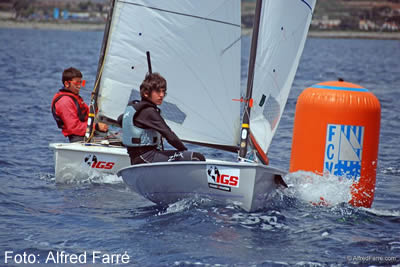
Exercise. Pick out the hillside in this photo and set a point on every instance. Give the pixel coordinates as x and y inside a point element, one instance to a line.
<point>365,15</point>
<point>329,15</point>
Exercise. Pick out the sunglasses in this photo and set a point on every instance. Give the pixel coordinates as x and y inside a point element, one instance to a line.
<point>81,83</point>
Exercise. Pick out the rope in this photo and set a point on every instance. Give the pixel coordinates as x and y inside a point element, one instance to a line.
<point>92,130</point>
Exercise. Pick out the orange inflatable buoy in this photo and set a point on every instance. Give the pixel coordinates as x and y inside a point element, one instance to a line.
<point>336,130</point>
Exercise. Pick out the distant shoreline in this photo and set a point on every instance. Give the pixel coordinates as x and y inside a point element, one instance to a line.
<point>355,35</point>
<point>67,26</point>
<point>75,26</point>
<point>347,34</point>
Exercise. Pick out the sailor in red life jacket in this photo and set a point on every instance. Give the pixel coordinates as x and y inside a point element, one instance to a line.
<point>68,108</point>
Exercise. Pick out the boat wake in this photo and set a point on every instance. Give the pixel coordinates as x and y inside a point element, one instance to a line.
<point>392,171</point>
<point>307,191</point>
<point>227,214</point>
<point>85,175</point>
<point>382,212</point>
<point>200,203</point>
<point>101,178</point>
<point>271,220</point>
<point>304,187</point>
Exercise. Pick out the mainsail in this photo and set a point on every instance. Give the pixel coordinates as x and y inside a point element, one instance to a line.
<point>195,45</point>
<point>283,30</point>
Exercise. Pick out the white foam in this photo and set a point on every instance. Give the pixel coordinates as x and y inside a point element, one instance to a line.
<point>105,178</point>
<point>84,175</point>
<point>183,204</point>
<point>177,207</point>
<point>269,222</point>
<point>391,170</point>
<point>388,213</point>
<point>320,190</point>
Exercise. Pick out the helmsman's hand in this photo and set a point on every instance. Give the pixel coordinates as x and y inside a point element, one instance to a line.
<point>102,127</point>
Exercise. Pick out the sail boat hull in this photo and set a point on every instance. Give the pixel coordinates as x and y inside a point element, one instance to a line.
<point>77,161</point>
<point>247,185</point>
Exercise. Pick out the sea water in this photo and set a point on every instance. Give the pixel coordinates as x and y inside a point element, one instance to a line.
<point>99,221</point>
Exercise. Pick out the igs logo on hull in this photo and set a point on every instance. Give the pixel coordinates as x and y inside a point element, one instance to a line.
<point>222,178</point>
<point>91,161</point>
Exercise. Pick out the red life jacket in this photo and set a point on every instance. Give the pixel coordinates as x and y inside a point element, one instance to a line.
<point>81,107</point>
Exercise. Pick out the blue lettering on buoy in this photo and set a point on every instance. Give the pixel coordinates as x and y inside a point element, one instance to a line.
<point>343,150</point>
<point>330,151</point>
<point>331,131</point>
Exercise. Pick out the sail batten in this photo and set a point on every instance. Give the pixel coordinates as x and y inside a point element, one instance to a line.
<point>308,4</point>
<point>182,14</point>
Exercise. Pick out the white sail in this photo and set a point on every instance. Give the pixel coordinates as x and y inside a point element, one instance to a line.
<point>195,45</point>
<point>283,30</point>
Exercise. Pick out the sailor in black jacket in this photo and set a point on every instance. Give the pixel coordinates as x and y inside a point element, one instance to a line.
<point>143,127</point>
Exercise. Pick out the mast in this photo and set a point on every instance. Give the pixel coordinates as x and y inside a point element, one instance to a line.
<point>93,101</point>
<point>245,132</point>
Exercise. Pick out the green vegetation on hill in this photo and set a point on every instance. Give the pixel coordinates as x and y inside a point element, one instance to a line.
<point>368,15</point>
<point>365,15</point>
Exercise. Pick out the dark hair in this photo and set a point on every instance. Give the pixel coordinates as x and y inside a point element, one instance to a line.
<point>70,73</point>
<point>153,81</point>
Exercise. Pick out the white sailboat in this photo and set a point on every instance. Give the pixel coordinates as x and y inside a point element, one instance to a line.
<point>196,46</point>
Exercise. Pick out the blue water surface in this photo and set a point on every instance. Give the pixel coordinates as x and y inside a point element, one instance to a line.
<point>41,218</point>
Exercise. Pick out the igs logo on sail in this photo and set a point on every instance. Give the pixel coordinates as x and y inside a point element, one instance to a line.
<point>222,178</point>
